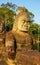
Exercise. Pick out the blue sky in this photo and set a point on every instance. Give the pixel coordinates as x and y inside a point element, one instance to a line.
<point>32,5</point>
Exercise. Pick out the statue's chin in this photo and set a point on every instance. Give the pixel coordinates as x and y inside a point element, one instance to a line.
<point>23,29</point>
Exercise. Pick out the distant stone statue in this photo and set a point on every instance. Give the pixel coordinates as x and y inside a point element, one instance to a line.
<point>1,25</point>
<point>2,31</point>
<point>19,38</point>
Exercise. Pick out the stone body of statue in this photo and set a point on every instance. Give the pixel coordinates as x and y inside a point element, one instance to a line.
<point>20,31</point>
<point>19,38</point>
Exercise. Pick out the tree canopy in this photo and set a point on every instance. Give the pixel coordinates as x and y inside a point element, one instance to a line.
<point>8,14</point>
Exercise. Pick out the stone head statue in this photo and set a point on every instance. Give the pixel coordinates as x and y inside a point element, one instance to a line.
<point>22,20</point>
<point>0,24</point>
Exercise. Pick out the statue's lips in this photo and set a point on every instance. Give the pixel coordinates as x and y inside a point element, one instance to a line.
<point>23,28</point>
<point>25,25</point>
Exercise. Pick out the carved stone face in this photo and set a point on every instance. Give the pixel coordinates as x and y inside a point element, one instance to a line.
<point>23,23</point>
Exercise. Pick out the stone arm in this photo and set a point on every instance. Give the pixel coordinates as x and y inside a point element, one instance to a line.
<point>10,43</point>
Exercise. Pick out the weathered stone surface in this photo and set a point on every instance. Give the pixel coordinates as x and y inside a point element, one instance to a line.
<point>9,39</point>
<point>23,58</point>
<point>23,40</point>
<point>28,57</point>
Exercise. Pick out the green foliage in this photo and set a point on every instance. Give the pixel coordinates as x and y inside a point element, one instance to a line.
<point>31,17</point>
<point>36,46</point>
<point>9,6</point>
<point>8,14</point>
<point>33,30</point>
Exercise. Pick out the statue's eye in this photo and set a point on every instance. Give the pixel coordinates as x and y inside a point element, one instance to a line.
<point>23,21</point>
